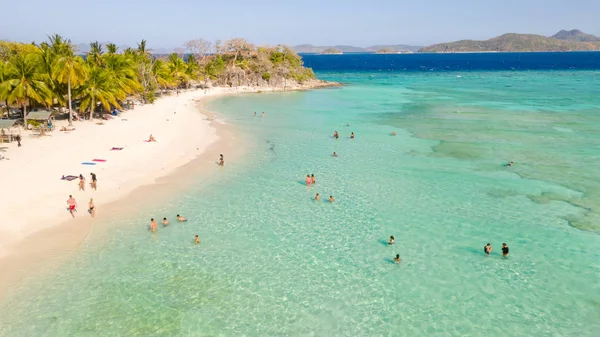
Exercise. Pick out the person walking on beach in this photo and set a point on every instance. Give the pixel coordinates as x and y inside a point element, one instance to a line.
<point>153,225</point>
<point>317,197</point>
<point>81,183</point>
<point>165,222</point>
<point>91,208</point>
<point>504,250</point>
<point>94,181</point>
<point>72,205</point>
<point>18,139</point>
<point>312,179</point>
<point>308,180</point>
<point>487,249</point>
<point>196,239</point>
<point>397,258</point>
<point>392,240</point>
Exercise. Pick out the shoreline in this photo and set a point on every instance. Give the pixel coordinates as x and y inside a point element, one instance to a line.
<point>46,246</point>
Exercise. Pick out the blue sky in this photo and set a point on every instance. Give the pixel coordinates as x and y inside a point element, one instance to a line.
<point>325,22</point>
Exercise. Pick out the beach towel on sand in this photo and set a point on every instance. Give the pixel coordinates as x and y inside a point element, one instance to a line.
<point>116,149</point>
<point>87,163</point>
<point>99,160</point>
<point>68,178</point>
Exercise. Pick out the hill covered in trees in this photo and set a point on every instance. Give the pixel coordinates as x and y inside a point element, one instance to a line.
<point>517,43</point>
<point>52,74</point>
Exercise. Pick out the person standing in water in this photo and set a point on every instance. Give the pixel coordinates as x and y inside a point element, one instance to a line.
<point>331,199</point>
<point>352,135</point>
<point>196,239</point>
<point>165,222</point>
<point>504,250</point>
<point>392,241</point>
<point>308,180</point>
<point>336,135</point>
<point>397,258</point>
<point>335,154</point>
<point>254,113</point>
<point>92,208</point>
<point>312,179</point>
<point>72,205</point>
<point>263,115</point>
<point>487,249</point>
<point>317,197</point>
<point>153,225</point>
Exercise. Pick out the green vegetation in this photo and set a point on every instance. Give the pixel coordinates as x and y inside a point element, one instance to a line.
<point>52,75</point>
<point>513,43</point>
<point>331,51</point>
<point>386,51</point>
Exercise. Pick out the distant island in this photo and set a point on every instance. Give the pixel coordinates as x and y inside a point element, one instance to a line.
<point>573,40</point>
<point>331,51</point>
<point>396,48</point>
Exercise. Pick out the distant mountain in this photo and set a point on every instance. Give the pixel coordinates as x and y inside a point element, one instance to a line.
<point>309,48</point>
<point>575,35</point>
<point>394,47</point>
<point>513,43</point>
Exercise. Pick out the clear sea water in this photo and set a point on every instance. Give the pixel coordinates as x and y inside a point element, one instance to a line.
<point>274,262</point>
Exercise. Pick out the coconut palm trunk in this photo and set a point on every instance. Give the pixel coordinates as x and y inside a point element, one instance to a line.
<point>92,106</point>
<point>69,96</point>
<point>25,112</point>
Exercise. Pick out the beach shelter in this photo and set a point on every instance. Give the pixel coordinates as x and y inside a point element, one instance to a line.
<point>6,130</point>
<point>40,115</point>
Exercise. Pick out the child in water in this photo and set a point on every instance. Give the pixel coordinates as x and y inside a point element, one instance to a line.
<point>196,239</point>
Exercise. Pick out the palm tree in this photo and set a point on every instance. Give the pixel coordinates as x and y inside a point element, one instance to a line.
<point>122,72</point>
<point>94,56</point>
<point>23,81</point>
<point>98,88</point>
<point>68,68</point>
<point>111,48</point>
<point>177,70</point>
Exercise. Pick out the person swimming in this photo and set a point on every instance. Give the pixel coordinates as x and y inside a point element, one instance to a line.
<point>308,180</point>
<point>317,197</point>
<point>165,222</point>
<point>335,154</point>
<point>196,239</point>
<point>336,135</point>
<point>510,164</point>
<point>487,249</point>
<point>312,179</point>
<point>393,133</point>
<point>392,241</point>
<point>352,135</point>
<point>504,250</point>
<point>331,199</point>
<point>397,258</point>
<point>180,218</point>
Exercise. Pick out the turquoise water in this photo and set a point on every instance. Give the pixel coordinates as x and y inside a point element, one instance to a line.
<point>274,262</point>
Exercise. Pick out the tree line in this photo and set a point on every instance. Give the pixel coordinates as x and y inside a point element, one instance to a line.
<point>52,74</point>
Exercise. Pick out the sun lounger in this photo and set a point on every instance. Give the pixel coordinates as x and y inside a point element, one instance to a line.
<point>68,178</point>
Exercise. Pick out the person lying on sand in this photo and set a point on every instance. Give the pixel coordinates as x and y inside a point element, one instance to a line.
<point>64,128</point>
<point>180,218</point>
<point>151,138</point>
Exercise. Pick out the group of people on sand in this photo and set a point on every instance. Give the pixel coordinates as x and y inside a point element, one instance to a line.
<point>487,249</point>
<point>72,206</point>
<point>93,181</point>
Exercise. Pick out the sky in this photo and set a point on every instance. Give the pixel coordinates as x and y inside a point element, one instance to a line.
<point>169,24</point>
